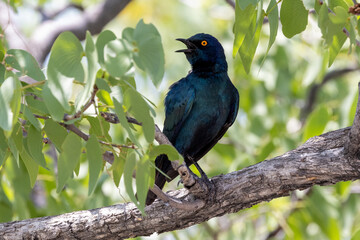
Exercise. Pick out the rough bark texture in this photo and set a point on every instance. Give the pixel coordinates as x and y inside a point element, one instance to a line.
<point>321,160</point>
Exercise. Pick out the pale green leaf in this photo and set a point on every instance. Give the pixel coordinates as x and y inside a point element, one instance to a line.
<point>123,121</point>
<point>117,58</point>
<point>30,116</point>
<point>142,181</point>
<point>25,63</point>
<point>31,166</point>
<point>68,159</point>
<point>149,55</point>
<point>141,111</point>
<point>94,155</point>
<point>118,166</point>
<point>169,150</point>
<point>55,109</point>
<point>103,38</point>
<point>65,56</point>
<point>129,168</point>
<point>35,145</point>
<point>91,57</point>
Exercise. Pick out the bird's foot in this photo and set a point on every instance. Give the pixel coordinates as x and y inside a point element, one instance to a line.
<point>202,187</point>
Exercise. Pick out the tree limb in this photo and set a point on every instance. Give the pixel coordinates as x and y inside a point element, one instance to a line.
<point>321,160</point>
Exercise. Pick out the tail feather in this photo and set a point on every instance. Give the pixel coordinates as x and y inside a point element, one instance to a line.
<point>162,162</point>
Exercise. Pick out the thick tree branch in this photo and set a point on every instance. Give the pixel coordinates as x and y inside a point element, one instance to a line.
<point>320,160</point>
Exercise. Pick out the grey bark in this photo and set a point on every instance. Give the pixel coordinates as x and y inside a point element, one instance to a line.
<point>321,160</point>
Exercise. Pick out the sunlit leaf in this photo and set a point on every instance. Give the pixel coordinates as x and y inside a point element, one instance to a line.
<point>293,16</point>
<point>169,150</point>
<point>25,63</point>
<point>243,4</point>
<point>241,25</point>
<point>91,57</point>
<point>251,41</point>
<point>103,38</point>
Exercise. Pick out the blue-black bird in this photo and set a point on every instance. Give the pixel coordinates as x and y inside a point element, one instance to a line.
<point>199,108</point>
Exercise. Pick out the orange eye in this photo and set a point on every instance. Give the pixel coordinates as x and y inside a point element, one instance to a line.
<point>204,43</point>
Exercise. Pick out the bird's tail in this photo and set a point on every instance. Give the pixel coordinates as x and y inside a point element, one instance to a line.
<point>162,162</point>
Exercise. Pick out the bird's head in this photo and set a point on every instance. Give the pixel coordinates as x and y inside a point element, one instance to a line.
<point>204,52</point>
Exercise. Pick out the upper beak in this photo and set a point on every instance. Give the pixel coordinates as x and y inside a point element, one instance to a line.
<point>190,46</point>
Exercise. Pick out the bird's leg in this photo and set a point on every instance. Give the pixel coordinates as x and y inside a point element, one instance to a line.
<point>202,173</point>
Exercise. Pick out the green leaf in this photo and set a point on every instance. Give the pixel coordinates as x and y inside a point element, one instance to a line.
<point>117,58</point>
<point>129,168</point>
<point>339,16</point>
<point>251,41</point>
<point>103,38</point>
<point>273,17</point>
<point>55,132</point>
<point>31,166</point>
<point>4,152</point>
<point>60,86</point>
<point>102,84</point>
<point>338,41</point>
<point>99,127</point>
<point>149,53</point>
<point>169,150</point>
<point>35,145</point>
<point>142,181</point>
<point>25,63</point>
<point>243,4</point>
<point>91,57</point>
<point>94,155</point>
<point>118,166</point>
<point>128,34</point>
<point>65,56</point>
<point>30,116</point>
<point>293,16</point>
<point>241,25</point>
<point>10,97</point>
<point>316,122</point>
<point>68,159</point>
<point>2,73</point>
<point>123,121</point>
<point>55,109</point>
<point>141,111</point>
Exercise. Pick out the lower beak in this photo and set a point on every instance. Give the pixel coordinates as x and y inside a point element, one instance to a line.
<point>190,46</point>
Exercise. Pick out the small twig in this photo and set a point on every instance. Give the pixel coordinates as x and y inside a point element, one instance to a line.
<point>231,3</point>
<point>86,106</point>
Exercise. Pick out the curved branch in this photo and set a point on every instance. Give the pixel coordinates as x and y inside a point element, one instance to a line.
<point>320,160</point>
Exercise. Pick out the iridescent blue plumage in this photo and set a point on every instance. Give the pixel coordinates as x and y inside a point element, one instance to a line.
<point>200,107</point>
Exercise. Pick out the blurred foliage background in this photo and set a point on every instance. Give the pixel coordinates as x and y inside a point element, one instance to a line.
<point>274,117</point>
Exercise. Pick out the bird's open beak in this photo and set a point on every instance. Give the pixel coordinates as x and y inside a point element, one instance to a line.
<point>190,46</point>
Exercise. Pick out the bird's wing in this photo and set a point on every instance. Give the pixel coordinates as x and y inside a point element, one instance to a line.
<point>178,103</point>
<point>229,121</point>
